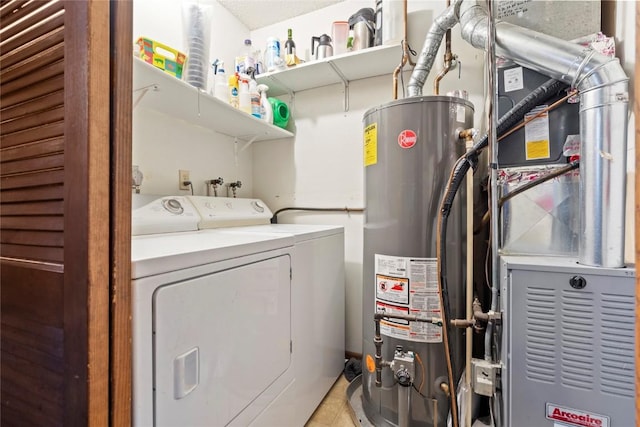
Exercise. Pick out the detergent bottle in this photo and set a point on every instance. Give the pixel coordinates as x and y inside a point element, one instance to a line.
<point>233,90</point>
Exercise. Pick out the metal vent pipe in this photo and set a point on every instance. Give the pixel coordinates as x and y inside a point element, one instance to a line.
<point>445,21</point>
<point>603,88</point>
<point>604,98</point>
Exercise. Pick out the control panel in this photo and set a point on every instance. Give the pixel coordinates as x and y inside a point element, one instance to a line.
<point>218,212</point>
<point>164,215</point>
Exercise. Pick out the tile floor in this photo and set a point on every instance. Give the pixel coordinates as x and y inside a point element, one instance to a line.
<point>333,411</point>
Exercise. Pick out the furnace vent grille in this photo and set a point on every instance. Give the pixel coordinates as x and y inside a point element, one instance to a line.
<point>541,334</point>
<point>617,345</point>
<point>577,339</point>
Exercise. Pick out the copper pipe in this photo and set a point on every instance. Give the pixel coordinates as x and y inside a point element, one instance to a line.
<point>406,34</point>
<point>406,57</point>
<point>462,323</point>
<point>538,114</point>
<point>448,60</point>
<point>467,134</point>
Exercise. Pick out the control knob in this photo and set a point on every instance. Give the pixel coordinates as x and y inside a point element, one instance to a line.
<point>173,206</point>
<point>257,206</point>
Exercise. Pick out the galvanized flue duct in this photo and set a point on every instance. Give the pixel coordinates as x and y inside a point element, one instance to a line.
<point>603,88</point>
<point>438,29</point>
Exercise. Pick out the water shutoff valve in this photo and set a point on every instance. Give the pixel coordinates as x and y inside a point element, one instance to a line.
<point>234,187</point>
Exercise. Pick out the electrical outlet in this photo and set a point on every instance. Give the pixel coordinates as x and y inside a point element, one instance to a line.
<point>183,175</point>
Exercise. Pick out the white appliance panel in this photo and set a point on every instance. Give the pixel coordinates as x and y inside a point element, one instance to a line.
<point>300,232</point>
<point>221,340</point>
<point>163,215</point>
<point>216,212</point>
<point>163,253</point>
<point>318,333</point>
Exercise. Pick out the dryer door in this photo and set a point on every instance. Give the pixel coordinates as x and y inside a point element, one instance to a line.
<point>221,343</point>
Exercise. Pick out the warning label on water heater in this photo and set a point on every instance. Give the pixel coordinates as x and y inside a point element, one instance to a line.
<point>408,286</point>
<point>371,144</point>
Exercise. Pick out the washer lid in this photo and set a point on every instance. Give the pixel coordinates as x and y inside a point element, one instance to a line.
<point>300,232</point>
<point>162,253</point>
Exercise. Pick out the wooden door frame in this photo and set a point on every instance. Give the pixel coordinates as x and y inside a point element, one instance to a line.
<point>86,207</point>
<point>121,161</point>
<point>97,258</point>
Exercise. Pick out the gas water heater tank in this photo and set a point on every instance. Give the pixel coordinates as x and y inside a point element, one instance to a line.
<point>411,146</point>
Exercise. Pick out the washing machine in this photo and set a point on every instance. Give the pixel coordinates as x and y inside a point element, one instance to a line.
<point>318,310</point>
<point>225,329</point>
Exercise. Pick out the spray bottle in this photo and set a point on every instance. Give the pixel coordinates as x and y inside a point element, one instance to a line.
<point>265,106</point>
<point>221,87</point>
<point>233,90</point>
<point>244,97</point>
<point>255,99</point>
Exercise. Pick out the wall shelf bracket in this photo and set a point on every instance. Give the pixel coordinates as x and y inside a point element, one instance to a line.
<point>143,91</point>
<point>345,83</point>
<point>249,142</point>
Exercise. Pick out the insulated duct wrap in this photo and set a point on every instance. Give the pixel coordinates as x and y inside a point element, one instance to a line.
<point>440,25</point>
<point>603,88</point>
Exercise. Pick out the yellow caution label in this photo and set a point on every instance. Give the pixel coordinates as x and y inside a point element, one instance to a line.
<point>538,149</point>
<point>371,144</point>
<point>371,363</point>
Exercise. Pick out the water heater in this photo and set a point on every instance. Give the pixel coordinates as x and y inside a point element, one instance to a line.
<point>411,146</point>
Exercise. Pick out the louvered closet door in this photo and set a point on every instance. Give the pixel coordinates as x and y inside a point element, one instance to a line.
<point>54,212</point>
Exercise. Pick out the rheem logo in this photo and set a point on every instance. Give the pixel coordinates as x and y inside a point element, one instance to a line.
<point>407,138</point>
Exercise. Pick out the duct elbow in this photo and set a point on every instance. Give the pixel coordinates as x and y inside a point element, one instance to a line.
<point>474,24</point>
<point>598,71</point>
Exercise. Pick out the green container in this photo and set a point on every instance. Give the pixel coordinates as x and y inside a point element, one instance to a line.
<point>280,112</point>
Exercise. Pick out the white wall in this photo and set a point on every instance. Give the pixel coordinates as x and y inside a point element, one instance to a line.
<point>625,50</point>
<point>162,145</point>
<point>322,165</point>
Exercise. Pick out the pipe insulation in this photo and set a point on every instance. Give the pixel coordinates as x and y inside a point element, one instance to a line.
<point>603,90</point>
<point>445,21</point>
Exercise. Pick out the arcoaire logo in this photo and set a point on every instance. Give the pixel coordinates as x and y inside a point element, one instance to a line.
<point>407,138</point>
<point>576,417</point>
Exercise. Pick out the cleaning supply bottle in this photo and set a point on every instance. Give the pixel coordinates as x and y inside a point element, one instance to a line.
<point>280,112</point>
<point>255,99</point>
<point>233,90</point>
<point>221,88</point>
<point>272,54</point>
<point>244,98</point>
<point>266,110</point>
<point>245,62</point>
